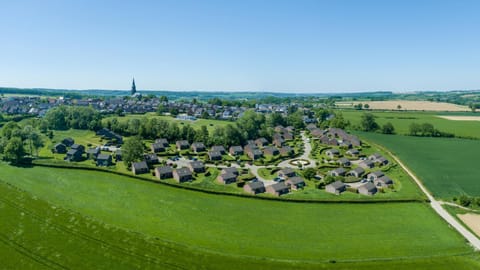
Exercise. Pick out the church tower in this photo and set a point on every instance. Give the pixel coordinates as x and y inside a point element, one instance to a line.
<point>134,88</point>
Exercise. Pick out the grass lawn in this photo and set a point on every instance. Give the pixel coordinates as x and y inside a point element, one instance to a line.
<point>209,123</point>
<point>223,224</point>
<point>402,120</point>
<point>447,166</point>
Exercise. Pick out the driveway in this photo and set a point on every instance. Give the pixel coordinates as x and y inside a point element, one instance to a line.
<point>306,154</point>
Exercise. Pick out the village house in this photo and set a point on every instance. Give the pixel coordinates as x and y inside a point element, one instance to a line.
<point>104,160</point>
<point>366,164</point>
<point>254,187</point>
<point>59,148</point>
<point>182,144</point>
<point>227,178</point>
<point>332,153</point>
<point>164,172</point>
<point>151,158</point>
<point>73,155</point>
<point>367,189</point>
<point>286,172</point>
<point>375,175</point>
<point>286,151</point>
<point>182,175</point>
<point>374,157</point>
<point>261,142</point>
<point>345,162</point>
<point>214,155</point>
<point>277,189</point>
<point>254,154</point>
<point>278,142</point>
<point>338,172</point>
<point>140,167</point>
<point>383,181</point>
<point>279,128</point>
<point>353,152</point>
<point>231,170</point>
<point>197,166</point>
<point>336,187</point>
<point>271,150</point>
<point>78,147</point>
<point>92,153</point>
<point>287,136</point>
<point>157,147</point>
<point>118,155</point>
<point>382,161</point>
<point>316,132</point>
<point>198,147</point>
<point>68,141</point>
<point>218,148</point>
<point>236,150</point>
<point>295,183</point>
<point>162,141</point>
<point>357,172</point>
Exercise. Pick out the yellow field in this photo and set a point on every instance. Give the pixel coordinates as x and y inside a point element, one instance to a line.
<point>460,118</point>
<point>472,221</point>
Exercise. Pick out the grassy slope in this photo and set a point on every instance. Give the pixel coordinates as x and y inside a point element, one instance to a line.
<point>244,226</point>
<point>402,120</point>
<point>448,167</point>
<point>37,235</point>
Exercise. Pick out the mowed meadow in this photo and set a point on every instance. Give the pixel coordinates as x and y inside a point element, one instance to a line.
<point>447,166</point>
<point>241,231</point>
<point>402,121</point>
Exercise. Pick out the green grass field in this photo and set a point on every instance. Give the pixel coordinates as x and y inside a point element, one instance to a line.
<point>257,229</point>
<point>402,120</point>
<point>209,123</point>
<point>447,166</point>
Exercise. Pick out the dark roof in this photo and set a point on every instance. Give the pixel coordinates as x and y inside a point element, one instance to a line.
<point>385,179</point>
<point>93,150</point>
<point>72,152</point>
<point>214,154</point>
<point>359,170</point>
<point>164,169</point>
<point>339,171</point>
<point>230,170</point>
<point>295,180</point>
<point>198,145</point>
<point>142,165</point>
<point>183,142</point>
<point>236,148</point>
<point>378,173</point>
<point>197,164</point>
<point>337,185</point>
<point>287,171</point>
<point>218,148</point>
<point>103,157</point>
<point>256,185</point>
<point>333,151</point>
<point>343,160</point>
<point>183,171</point>
<point>279,186</point>
<point>368,186</point>
<point>229,175</point>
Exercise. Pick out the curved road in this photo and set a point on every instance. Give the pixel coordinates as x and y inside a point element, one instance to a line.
<point>437,206</point>
<point>306,154</point>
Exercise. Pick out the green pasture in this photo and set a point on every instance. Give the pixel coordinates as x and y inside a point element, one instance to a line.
<point>402,120</point>
<point>209,123</point>
<point>447,166</point>
<point>235,226</point>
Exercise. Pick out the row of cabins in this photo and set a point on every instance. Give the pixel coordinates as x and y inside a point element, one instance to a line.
<point>334,136</point>
<point>181,175</point>
<point>76,151</point>
<point>338,187</point>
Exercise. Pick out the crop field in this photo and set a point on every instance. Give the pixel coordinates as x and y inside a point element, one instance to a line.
<point>232,227</point>
<point>409,105</point>
<point>402,120</point>
<point>209,123</point>
<point>447,166</point>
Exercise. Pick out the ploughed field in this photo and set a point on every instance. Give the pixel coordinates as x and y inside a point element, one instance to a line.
<point>447,166</point>
<point>135,224</point>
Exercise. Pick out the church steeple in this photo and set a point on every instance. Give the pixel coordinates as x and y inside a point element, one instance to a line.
<point>134,87</point>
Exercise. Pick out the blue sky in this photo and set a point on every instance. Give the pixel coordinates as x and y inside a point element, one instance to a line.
<point>288,46</point>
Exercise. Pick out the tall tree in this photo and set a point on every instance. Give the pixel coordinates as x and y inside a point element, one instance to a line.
<point>14,150</point>
<point>132,150</point>
<point>368,122</point>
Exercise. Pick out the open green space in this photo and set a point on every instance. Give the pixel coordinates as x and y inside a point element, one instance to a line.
<point>402,120</point>
<point>235,226</point>
<point>447,166</point>
<point>209,123</point>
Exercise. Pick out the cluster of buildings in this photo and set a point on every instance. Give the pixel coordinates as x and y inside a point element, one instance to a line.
<point>76,152</point>
<point>334,136</point>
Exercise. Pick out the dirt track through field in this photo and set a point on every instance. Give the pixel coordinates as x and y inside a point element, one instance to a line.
<point>472,221</point>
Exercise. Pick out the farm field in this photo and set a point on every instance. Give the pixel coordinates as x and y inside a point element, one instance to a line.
<point>402,120</point>
<point>447,166</point>
<point>209,123</point>
<point>214,223</point>
<point>409,105</point>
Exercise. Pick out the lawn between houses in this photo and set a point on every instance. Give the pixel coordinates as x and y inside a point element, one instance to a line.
<point>447,166</point>
<point>217,229</point>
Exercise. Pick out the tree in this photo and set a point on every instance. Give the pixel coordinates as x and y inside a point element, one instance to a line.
<point>9,129</point>
<point>163,99</point>
<point>338,121</point>
<point>427,129</point>
<point>388,128</point>
<point>414,129</point>
<point>366,106</point>
<point>296,120</point>
<point>309,173</point>
<point>14,150</point>
<point>399,107</point>
<point>368,123</point>
<point>358,106</point>
<point>132,150</point>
